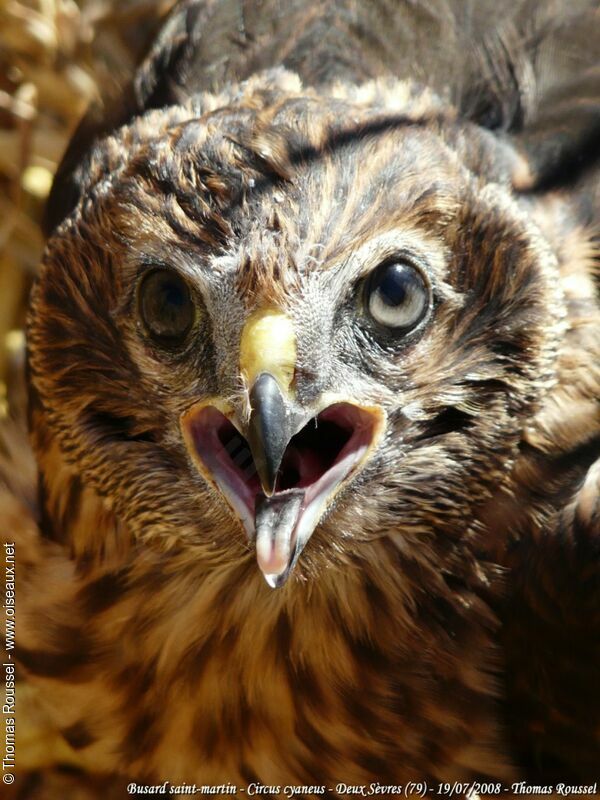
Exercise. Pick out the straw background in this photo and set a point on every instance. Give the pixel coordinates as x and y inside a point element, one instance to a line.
<point>56,56</point>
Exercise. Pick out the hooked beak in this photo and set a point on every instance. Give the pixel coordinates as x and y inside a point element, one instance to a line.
<point>269,430</point>
<point>280,482</point>
<point>281,471</point>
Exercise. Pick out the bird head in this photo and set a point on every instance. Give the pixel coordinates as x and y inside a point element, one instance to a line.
<point>294,323</point>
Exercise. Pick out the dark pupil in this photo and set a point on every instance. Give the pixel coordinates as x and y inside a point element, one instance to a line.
<point>394,285</point>
<point>172,300</point>
<point>166,306</point>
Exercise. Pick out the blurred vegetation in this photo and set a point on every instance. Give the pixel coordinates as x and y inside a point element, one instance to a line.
<point>55,57</point>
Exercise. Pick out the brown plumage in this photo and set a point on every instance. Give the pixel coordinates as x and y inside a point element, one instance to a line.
<point>440,619</point>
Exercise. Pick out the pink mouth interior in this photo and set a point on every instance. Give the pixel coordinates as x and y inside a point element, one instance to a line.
<point>310,459</point>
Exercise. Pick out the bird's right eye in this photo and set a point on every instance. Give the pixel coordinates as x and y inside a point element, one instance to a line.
<point>166,306</point>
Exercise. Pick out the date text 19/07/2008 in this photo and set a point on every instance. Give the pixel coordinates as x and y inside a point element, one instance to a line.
<point>419,789</point>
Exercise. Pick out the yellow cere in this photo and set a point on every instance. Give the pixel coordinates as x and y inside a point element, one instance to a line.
<point>268,344</point>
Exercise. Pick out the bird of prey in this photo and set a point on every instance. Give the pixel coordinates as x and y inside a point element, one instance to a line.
<point>313,373</point>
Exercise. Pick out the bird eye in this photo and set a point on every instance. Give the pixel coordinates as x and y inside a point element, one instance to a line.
<point>397,295</point>
<point>166,306</point>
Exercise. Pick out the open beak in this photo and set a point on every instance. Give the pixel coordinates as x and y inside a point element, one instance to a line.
<point>282,470</point>
<point>277,481</point>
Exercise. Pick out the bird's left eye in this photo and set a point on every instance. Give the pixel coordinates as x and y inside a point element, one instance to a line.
<point>396,295</point>
<point>166,306</point>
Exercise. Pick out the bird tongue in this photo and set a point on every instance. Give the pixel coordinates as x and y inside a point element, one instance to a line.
<point>275,524</point>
